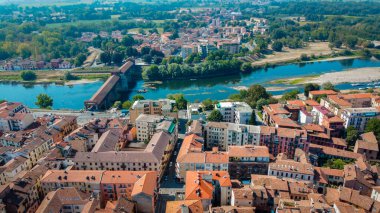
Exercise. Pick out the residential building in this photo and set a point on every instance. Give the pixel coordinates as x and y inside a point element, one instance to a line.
<point>67,200</point>
<point>358,117</point>
<point>367,145</point>
<point>210,187</point>
<point>164,107</point>
<point>216,134</point>
<point>287,168</point>
<point>181,206</point>
<point>154,157</point>
<point>147,125</point>
<point>247,160</point>
<point>192,157</point>
<point>83,180</point>
<point>14,117</point>
<point>283,140</point>
<point>229,46</point>
<point>222,135</point>
<point>326,152</point>
<point>327,177</point>
<point>235,112</point>
<point>138,186</point>
<point>25,193</point>
<point>320,93</point>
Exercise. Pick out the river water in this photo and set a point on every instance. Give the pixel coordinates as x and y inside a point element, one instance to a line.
<point>72,97</point>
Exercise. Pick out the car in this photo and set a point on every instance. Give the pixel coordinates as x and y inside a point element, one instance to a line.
<point>171,164</point>
<point>175,153</point>
<point>166,178</point>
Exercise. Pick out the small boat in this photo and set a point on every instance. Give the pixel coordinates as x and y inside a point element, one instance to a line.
<point>361,88</point>
<point>193,79</point>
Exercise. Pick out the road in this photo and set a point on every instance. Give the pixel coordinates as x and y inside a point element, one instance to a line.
<point>170,188</point>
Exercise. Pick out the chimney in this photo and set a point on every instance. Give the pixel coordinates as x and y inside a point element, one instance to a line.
<point>184,209</point>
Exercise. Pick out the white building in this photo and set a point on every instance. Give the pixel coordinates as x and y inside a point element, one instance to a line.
<point>358,117</point>
<point>14,116</point>
<point>235,112</point>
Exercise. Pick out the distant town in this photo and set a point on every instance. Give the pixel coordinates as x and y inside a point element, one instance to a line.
<point>112,106</point>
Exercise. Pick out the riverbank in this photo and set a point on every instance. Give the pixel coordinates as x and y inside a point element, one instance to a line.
<point>360,75</point>
<point>51,76</point>
<point>288,55</point>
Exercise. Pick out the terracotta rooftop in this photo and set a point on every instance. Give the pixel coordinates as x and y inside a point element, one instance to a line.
<point>333,151</point>
<point>199,187</point>
<point>194,206</point>
<point>248,151</point>
<point>323,92</point>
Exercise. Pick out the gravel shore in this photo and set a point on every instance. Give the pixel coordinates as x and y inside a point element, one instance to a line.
<point>350,76</point>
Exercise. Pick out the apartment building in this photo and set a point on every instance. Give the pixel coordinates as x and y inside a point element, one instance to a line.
<point>154,157</point>
<point>283,140</point>
<point>25,193</point>
<point>235,112</point>
<point>216,134</point>
<point>288,168</point>
<point>337,103</point>
<point>68,200</point>
<point>222,135</point>
<point>192,157</point>
<point>164,107</point>
<point>358,117</point>
<point>327,177</point>
<point>138,186</point>
<point>367,145</point>
<point>14,117</point>
<point>84,180</point>
<point>147,125</point>
<point>247,160</point>
<point>240,135</point>
<point>210,187</point>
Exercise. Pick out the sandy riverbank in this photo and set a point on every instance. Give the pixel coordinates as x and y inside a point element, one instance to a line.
<point>350,76</point>
<point>82,81</point>
<point>316,48</point>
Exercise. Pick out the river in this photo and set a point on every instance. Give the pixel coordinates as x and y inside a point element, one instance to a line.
<point>72,97</point>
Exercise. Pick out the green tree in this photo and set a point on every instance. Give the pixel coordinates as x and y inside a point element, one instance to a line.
<point>215,116</point>
<point>128,41</point>
<point>351,135</point>
<point>69,77</point>
<point>28,75</point>
<point>373,125</point>
<point>304,57</point>
<point>277,46</point>
<point>246,67</point>
<point>126,104</point>
<point>290,95</point>
<point>117,57</point>
<point>44,101</point>
<point>79,60</point>
<point>106,57</point>
<point>261,102</point>
<point>328,86</point>
<point>117,104</point>
<point>137,97</point>
<point>335,164</point>
<point>351,41</point>
<point>180,101</point>
<point>252,119</point>
<point>310,87</point>
<point>208,104</point>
